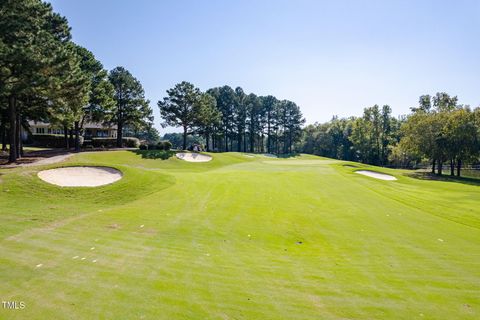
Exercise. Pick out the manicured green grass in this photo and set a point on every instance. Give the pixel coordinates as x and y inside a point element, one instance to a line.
<point>26,149</point>
<point>239,238</point>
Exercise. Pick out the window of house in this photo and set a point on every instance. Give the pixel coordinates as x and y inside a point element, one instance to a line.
<point>40,130</point>
<point>102,133</point>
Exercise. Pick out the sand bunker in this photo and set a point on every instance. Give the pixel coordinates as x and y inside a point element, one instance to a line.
<point>80,176</point>
<point>193,157</point>
<point>376,175</point>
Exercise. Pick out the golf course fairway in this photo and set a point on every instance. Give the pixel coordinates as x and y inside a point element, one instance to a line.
<point>238,238</point>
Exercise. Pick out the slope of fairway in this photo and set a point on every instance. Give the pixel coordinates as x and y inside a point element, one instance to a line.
<point>238,238</point>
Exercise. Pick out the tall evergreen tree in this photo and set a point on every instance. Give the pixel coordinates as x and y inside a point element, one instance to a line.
<point>131,106</point>
<point>253,119</point>
<point>225,97</point>
<point>101,104</point>
<point>240,117</point>
<point>269,104</point>
<point>32,38</point>
<point>208,117</point>
<point>181,108</point>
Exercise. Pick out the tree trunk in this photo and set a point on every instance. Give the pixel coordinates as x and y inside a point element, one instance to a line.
<point>120,134</point>
<point>452,167</point>
<point>17,134</point>
<point>3,134</point>
<point>184,138</point>
<point>12,113</point>
<point>440,167</point>
<point>459,167</point>
<point>226,139</point>
<point>65,135</point>
<point>207,144</point>
<point>268,134</point>
<point>290,141</point>
<point>77,136</point>
<point>277,144</point>
<point>262,147</point>
<point>239,141</point>
<point>252,142</point>
<point>433,166</point>
<point>20,148</point>
<point>244,141</point>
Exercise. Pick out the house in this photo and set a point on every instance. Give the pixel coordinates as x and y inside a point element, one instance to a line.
<point>90,130</point>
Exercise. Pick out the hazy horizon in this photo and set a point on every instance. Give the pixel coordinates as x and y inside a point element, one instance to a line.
<point>330,57</point>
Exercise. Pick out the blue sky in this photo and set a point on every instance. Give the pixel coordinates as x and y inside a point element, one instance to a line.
<point>330,57</point>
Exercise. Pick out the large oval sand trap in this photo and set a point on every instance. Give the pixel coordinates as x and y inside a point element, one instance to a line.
<point>80,176</point>
<point>376,175</point>
<point>193,157</point>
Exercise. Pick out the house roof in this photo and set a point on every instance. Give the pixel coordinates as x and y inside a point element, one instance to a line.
<point>86,125</point>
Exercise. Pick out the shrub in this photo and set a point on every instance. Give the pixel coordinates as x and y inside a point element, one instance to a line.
<point>156,154</point>
<point>128,142</point>
<point>143,147</point>
<point>152,146</point>
<point>53,140</point>
<point>131,142</point>
<point>167,145</point>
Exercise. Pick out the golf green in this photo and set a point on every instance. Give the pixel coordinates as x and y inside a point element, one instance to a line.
<point>238,238</point>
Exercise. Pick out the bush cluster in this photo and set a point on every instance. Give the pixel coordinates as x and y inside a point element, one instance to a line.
<point>162,145</point>
<point>128,142</point>
<point>52,140</point>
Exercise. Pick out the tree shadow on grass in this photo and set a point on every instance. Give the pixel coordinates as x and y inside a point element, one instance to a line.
<point>444,178</point>
<point>287,155</point>
<point>155,154</point>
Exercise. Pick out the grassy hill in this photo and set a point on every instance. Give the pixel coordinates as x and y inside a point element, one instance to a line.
<point>239,237</point>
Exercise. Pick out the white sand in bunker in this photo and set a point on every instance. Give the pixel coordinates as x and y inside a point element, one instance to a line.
<point>193,157</point>
<point>80,176</point>
<point>376,175</point>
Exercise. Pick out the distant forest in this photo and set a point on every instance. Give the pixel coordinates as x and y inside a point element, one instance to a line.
<point>438,131</point>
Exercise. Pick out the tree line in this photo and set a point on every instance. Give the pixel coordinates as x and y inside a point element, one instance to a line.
<point>44,76</point>
<point>232,120</point>
<point>438,131</point>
